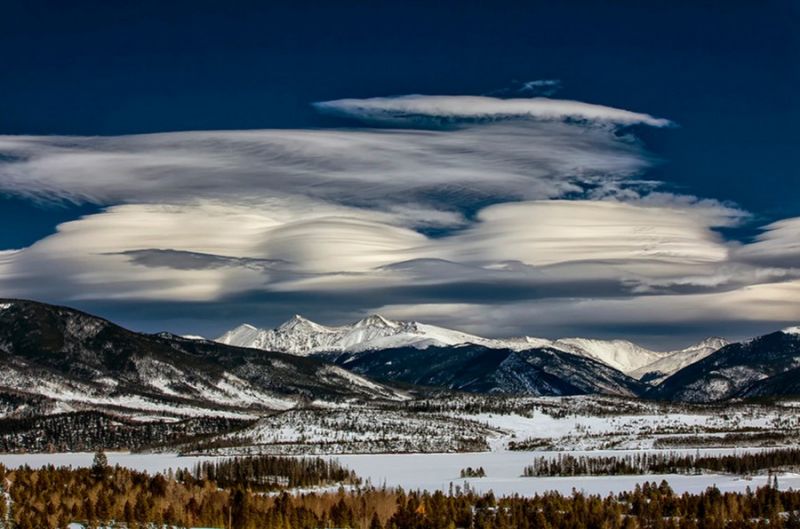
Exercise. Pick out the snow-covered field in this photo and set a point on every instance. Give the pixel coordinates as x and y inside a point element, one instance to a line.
<point>439,471</point>
<point>358,429</point>
<point>637,431</point>
<point>152,463</point>
<point>504,470</point>
<point>478,423</point>
<point>473,423</point>
<point>600,423</point>
<point>581,425</point>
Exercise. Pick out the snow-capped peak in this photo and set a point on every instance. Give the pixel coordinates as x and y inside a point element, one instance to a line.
<point>376,320</point>
<point>303,337</point>
<point>713,342</point>
<point>297,322</point>
<point>241,336</point>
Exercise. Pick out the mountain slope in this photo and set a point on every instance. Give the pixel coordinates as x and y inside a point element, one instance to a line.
<point>81,361</point>
<point>303,337</point>
<point>786,384</point>
<point>674,361</point>
<point>759,367</point>
<point>481,369</point>
<point>620,354</point>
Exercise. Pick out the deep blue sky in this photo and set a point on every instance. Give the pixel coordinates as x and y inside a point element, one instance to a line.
<point>726,71</point>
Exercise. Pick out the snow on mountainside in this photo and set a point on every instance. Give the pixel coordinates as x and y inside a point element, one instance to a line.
<point>79,361</point>
<point>619,354</point>
<point>303,337</point>
<point>764,366</point>
<point>481,369</point>
<point>677,360</point>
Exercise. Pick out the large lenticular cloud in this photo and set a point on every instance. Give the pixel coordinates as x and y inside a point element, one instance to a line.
<point>513,205</point>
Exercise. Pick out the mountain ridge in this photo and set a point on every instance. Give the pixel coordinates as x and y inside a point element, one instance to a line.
<point>303,337</point>
<point>761,367</point>
<point>480,369</point>
<point>81,361</point>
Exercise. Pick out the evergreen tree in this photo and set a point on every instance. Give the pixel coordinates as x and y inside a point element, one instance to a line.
<point>100,465</point>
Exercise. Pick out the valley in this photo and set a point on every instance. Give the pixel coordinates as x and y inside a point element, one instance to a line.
<point>72,381</point>
<point>389,407</point>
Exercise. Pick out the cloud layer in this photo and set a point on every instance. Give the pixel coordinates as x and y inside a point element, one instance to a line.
<point>534,210</point>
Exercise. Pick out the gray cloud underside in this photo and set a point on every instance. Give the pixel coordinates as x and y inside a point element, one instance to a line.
<point>537,220</point>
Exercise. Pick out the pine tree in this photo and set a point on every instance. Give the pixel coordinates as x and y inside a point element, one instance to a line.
<point>100,465</point>
<point>376,522</point>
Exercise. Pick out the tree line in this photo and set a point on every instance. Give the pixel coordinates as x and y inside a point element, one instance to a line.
<point>268,473</point>
<point>662,463</point>
<point>85,430</point>
<point>51,497</point>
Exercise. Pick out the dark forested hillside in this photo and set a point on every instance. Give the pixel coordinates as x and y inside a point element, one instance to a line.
<point>764,366</point>
<point>64,355</point>
<point>481,369</point>
<point>85,431</point>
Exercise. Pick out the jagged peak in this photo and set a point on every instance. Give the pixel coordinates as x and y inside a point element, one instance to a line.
<point>792,330</point>
<point>376,320</point>
<point>711,341</point>
<point>299,322</point>
<point>238,333</point>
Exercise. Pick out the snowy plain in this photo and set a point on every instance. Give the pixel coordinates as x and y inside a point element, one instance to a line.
<point>438,471</point>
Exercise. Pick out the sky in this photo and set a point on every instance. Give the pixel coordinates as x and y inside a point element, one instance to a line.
<point>596,169</point>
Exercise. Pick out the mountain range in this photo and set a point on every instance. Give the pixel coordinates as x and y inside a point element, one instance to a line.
<point>56,360</point>
<point>303,337</point>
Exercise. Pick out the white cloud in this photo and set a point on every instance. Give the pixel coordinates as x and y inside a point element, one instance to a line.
<point>474,219</point>
<point>779,245</point>
<point>558,231</point>
<point>413,108</point>
<point>427,171</point>
<point>318,243</point>
<point>770,303</point>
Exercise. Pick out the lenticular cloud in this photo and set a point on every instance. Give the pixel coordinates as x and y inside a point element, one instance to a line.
<point>533,200</point>
<point>415,108</point>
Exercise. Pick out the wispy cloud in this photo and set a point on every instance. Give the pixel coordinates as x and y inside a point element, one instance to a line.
<point>421,172</point>
<point>417,109</point>
<point>778,245</point>
<point>543,87</point>
<point>537,87</point>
